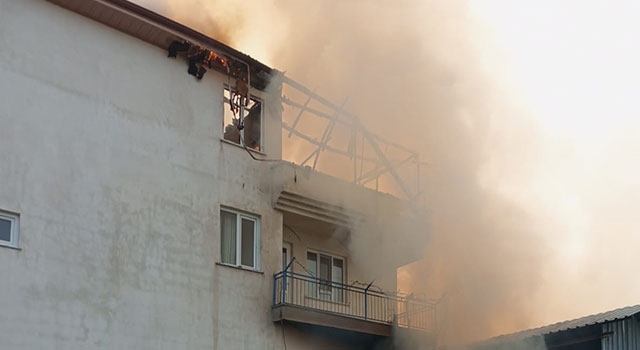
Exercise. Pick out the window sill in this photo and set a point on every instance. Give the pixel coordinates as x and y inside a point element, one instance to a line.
<point>240,268</point>
<point>10,247</point>
<point>260,153</point>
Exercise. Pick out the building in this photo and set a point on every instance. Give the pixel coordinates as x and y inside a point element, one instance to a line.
<point>136,214</point>
<point>613,330</point>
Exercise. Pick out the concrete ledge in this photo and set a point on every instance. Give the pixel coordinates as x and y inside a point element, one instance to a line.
<point>294,313</point>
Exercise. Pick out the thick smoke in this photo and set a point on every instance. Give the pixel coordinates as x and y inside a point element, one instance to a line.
<point>424,74</point>
<point>412,73</point>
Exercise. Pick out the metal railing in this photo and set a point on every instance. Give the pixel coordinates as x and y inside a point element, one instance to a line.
<point>353,301</point>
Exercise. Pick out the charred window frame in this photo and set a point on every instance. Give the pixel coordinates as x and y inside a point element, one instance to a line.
<point>9,229</point>
<point>250,131</point>
<point>331,271</point>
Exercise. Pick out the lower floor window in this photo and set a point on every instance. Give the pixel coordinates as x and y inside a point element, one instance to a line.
<point>330,271</point>
<point>9,229</point>
<point>239,239</point>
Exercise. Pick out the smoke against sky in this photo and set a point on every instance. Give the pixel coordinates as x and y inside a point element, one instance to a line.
<point>527,114</point>
<point>573,68</point>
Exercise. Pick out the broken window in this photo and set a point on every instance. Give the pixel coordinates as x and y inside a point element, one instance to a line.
<point>242,122</point>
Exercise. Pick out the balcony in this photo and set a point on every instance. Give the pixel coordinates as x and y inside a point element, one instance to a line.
<point>308,300</point>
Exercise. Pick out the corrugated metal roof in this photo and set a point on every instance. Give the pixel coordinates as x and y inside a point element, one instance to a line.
<point>623,335</point>
<point>617,314</point>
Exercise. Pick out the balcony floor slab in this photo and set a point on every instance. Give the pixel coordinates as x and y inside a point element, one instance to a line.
<point>293,313</point>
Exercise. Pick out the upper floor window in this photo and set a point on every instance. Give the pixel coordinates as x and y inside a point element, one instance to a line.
<point>331,272</point>
<point>9,226</point>
<point>242,120</point>
<point>239,239</point>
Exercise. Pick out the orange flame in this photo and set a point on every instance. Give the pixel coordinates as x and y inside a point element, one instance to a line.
<point>215,59</point>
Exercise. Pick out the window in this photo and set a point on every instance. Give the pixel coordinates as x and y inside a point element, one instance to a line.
<point>286,259</point>
<point>330,270</point>
<point>286,254</point>
<point>250,132</point>
<point>9,226</point>
<point>239,239</point>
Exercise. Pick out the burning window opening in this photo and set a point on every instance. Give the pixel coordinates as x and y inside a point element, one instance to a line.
<point>243,125</point>
<point>242,121</point>
<point>374,162</point>
<point>199,57</point>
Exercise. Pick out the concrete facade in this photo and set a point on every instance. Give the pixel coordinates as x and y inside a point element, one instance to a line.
<point>112,155</point>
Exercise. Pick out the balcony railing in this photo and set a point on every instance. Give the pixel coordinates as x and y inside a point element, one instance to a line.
<point>353,301</point>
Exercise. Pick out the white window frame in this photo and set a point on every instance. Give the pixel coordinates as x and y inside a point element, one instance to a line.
<point>256,239</point>
<point>316,274</point>
<point>226,103</point>
<point>286,259</point>
<point>15,228</point>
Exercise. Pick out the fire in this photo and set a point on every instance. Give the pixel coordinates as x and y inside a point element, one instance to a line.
<point>214,59</point>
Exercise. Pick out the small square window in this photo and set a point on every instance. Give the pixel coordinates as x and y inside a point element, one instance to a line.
<point>250,132</point>
<point>9,226</point>
<point>239,239</point>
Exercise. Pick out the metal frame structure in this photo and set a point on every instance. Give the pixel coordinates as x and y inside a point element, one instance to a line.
<point>371,157</point>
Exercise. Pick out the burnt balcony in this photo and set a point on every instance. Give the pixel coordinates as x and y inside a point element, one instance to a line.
<point>312,301</point>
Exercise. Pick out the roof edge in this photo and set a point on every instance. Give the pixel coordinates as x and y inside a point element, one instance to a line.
<point>170,28</point>
<point>595,319</point>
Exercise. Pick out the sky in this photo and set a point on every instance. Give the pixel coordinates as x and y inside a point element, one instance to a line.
<point>529,118</point>
<point>572,66</point>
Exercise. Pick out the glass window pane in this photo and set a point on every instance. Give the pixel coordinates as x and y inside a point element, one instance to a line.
<point>252,125</point>
<point>248,241</point>
<point>230,128</point>
<point>338,277</point>
<point>312,266</point>
<point>312,263</point>
<point>5,230</point>
<point>325,266</point>
<point>338,272</point>
<point>325,273</point>
<point>228,237</point>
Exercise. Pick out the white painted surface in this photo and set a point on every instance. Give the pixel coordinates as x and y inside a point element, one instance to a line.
<point>111,153</point>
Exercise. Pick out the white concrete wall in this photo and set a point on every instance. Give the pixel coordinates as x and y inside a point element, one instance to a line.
<point>383,236</point>
<point>111,153</point>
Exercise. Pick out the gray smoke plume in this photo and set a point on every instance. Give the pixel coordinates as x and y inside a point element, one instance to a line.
<point>423,74</point>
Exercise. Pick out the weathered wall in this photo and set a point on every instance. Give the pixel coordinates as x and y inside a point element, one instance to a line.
<point>111,153</point>
<point>357,271</point>
<point>384,233</point>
